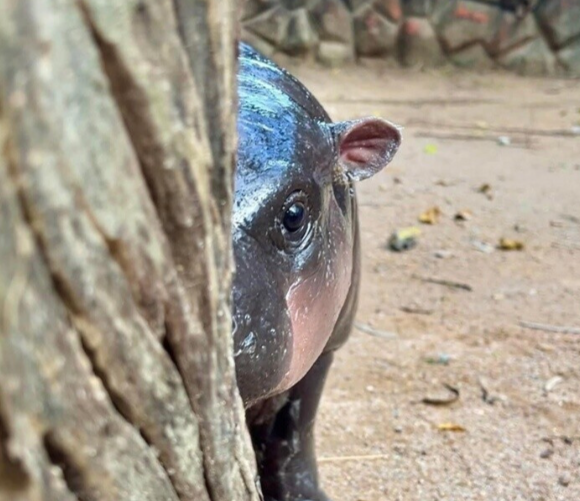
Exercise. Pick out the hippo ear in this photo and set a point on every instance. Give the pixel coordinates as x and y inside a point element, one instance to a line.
<point>365,146</point>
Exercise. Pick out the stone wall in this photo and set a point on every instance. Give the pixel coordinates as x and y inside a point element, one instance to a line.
<point>535,37</point>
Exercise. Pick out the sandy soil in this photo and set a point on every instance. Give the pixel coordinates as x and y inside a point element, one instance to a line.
<point>519,388</point>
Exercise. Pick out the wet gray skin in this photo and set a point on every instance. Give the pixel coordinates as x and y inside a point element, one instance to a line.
<point>295,239</point>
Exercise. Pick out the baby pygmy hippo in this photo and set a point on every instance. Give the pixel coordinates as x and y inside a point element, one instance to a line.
<point>297,256</point>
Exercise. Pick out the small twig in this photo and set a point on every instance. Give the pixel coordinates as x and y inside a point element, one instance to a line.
<point>471,137</point>
<point>499,129</point>
<point>416,310</point>
<point>550,328</point>
<point>447,283</point>
<point>368,457</point>
<point>571,219</point>
<point>367,329</point>
<point>486,395</point>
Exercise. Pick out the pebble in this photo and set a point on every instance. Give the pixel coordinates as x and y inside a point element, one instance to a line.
<point>443,254</point>
<point>483,246</point>
<point>564,480</point>
<point>552,383</point>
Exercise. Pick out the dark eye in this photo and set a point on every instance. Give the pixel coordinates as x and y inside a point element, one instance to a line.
<point>294,217</point>
<point>295,223</point>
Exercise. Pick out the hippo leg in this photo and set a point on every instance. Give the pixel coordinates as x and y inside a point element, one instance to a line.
<point>283,436</point>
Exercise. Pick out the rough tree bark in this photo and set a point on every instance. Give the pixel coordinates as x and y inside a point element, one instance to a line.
<point>116,162</point>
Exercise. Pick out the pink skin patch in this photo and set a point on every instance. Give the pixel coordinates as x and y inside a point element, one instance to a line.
<point>315,302</point>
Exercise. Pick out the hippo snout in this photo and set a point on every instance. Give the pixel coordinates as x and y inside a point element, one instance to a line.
<point>261,327</point>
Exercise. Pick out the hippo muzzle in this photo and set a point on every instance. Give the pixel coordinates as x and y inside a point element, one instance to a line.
<point>262,328</point>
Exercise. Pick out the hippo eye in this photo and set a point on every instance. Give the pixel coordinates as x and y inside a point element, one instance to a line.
<point>294,223</point>
<point>294,217</point>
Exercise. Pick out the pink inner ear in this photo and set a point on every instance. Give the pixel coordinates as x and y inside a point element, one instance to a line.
<point>362,150</point>
<point>368,146</point>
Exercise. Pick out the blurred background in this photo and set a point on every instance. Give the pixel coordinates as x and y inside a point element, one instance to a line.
<point>462,378</point>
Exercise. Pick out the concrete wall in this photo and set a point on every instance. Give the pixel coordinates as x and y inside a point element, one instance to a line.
<point>542,39</point>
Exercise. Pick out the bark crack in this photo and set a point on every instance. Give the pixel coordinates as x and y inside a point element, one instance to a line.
<point>121,82</point>
<point>71,472</point>
<point>114,246</point>
<point>168,347</point>
<point>191,31</point>
<point>13,474</point>
<point>120,404</point>
<point>11,468</point>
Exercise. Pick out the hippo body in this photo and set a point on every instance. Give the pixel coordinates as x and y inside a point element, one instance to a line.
<point>296,249</point>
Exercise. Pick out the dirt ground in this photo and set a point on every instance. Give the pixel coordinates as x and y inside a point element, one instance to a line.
<point>519,388</point>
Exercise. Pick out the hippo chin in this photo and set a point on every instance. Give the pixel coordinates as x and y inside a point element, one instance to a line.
<point>296,248</point>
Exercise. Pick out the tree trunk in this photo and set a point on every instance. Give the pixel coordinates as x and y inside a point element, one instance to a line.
<point>117,130</point>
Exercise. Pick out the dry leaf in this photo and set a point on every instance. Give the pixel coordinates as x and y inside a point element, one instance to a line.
<point>404,239</point>
<point>463,215</point>
<point>451,397</point>
<point>441,359</point>
<point>509,244</point>
<point>430,216</point>
<point>430,149</point>
<point>485,188</point>
<point>450,427</point>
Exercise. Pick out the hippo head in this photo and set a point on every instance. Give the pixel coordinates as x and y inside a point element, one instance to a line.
<point>294,223</point>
